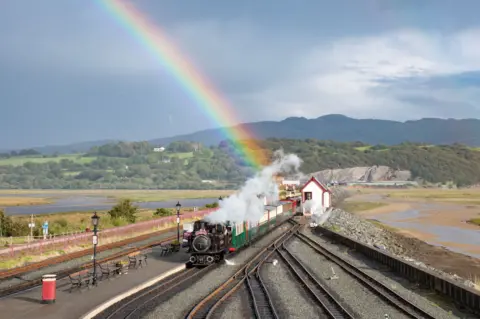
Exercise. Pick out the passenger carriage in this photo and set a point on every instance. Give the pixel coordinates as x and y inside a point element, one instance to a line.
<point>209,243</point>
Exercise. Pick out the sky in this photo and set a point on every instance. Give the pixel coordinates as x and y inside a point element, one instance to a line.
<point>71,73</point>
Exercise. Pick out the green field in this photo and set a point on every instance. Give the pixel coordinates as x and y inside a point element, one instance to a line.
<point>20,160</point>
<point>181,155</point>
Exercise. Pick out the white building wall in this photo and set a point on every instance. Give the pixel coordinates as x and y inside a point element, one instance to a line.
<point>327,200</point>
<point>317,192</point>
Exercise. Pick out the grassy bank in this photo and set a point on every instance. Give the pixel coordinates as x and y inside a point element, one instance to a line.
<point>475,221</point>
<point>24,258</point>
<point>63,223</point>
<point>381,225</point>
<point>23,201</point>
<point>356,206</point>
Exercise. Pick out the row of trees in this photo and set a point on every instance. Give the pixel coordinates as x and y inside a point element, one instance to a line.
<point>136,166</point>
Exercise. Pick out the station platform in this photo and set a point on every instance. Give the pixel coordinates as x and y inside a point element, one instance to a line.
<point>76,304</point>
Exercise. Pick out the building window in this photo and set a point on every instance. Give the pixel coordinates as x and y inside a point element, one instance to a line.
<point>308,195</point>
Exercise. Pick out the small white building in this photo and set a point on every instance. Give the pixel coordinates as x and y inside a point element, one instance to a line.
<point>316,191</point>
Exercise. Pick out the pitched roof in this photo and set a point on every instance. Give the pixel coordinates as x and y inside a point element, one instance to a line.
<point>316,181</point>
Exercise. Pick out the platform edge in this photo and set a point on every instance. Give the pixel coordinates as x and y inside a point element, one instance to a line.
<point>92,313</point>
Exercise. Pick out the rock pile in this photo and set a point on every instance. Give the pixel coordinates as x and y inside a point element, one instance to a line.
<point>367,232</point>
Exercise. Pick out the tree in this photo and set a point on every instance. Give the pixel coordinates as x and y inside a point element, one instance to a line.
<point>124,209</point>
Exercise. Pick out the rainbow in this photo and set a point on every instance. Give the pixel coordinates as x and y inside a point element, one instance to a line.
<point>211,102</point>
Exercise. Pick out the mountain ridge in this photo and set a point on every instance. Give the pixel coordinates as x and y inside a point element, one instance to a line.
<point>336,127</point>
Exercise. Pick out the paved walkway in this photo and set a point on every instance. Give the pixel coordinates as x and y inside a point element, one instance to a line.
<point>77,303</point>
<point>78,261</point>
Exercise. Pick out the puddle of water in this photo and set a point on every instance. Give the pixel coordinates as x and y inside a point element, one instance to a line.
<point>442,233</point>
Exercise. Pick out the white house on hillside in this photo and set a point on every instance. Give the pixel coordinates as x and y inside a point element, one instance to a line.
<point>315,190</point>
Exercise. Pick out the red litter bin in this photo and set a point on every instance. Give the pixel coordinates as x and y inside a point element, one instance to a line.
<point>49,288</point>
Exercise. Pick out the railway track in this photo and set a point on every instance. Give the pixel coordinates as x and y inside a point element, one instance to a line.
<point>378,288</point>
<point>323,297</point>
<point>30,284</point>
<point>134,306</point>
<point>248,274</point>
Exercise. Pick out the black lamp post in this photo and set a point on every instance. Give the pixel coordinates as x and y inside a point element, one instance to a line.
<point>178,221</point>
<point>220,198</point>
<point>95,220</point>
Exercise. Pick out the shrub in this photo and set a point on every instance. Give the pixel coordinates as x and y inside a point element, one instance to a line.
<point>124,209</point>
<point>163,212</point>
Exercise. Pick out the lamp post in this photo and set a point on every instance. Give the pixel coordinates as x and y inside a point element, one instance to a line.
<point>95,220</point>
<point>178,220</point>
<point>220,198</point>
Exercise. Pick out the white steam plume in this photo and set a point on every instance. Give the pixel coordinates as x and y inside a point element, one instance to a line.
<point>319,213</point>
<point>245,204</point>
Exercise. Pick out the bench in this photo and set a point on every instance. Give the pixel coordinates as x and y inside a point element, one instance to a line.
<point>137,257</point>
<point>80,278</point>
<point>168,249</point>
<point>109,269</point>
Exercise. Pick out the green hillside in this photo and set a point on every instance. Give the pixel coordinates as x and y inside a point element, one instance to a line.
<point>185,165</point>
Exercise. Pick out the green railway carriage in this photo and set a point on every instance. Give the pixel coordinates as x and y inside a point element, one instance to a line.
<point>243,233</point>
<point>210,242</point>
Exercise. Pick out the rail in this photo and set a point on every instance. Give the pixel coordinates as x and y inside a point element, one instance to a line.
<point>131,306</point>
<point>106,235</point>
<point>378,288</point>
<point>208,306</point>
<point>320,294</point>
<point>64,273</point>
<point>463,296</point>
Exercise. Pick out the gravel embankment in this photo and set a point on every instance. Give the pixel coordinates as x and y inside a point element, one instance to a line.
<point>306,254</point>
<point>351,292</point>
<point>366,232</point>
<point>290,300</point>
<point>178,306</point>
<point>77,262</point>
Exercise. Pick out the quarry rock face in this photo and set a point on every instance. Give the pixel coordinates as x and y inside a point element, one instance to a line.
<point>363,174</point>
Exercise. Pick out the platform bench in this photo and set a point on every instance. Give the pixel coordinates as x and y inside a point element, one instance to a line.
<point>137,259</point>
<point>78,279</point>
<point>169,248</point>
<point>109,269</point>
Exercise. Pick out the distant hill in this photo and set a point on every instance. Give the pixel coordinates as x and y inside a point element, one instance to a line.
<point>333,127</point>
<point>71,148</point>
<point>341,128</point>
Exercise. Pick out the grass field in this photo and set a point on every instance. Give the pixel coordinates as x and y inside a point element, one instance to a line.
<point>460,196</point>
<point>135,195</point>
<point>23,201</point>
<point>353,206</point>
<point>20,160</point>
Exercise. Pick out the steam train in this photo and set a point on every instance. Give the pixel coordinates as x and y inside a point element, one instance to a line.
<point>211,242</point>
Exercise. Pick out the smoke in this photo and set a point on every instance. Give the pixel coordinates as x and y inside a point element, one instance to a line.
<point>319,213</point>
<point>245,205</point>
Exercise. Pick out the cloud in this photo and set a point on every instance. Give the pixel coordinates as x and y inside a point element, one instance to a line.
<point>390,75</point>
<point>292,61</point>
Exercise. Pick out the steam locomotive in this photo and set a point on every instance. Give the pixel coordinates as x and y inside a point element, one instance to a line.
<point>210,242</point>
